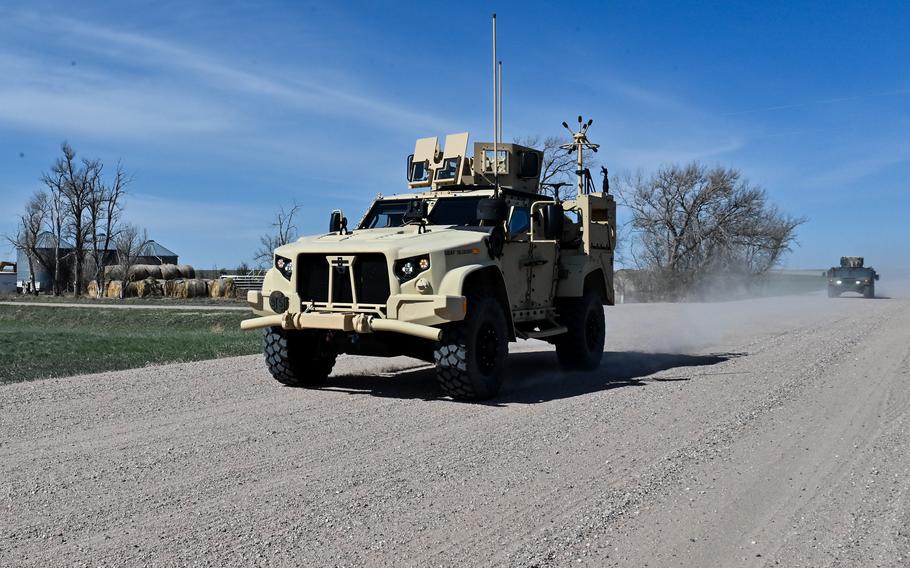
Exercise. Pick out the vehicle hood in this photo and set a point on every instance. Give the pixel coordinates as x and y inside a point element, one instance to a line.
<point>396,242</point>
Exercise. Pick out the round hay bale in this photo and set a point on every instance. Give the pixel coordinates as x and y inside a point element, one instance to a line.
<point>215,288</point>
<point>197,288</point>
<point>169,287</point>
<point>180,288</point>
<point>113,272</point>
<point>227,288</point>
<point>186,270</point>
<point>141,288</point>
<point>138,272</point>
<point>132,290</point>
<point>153,287</point>
<point>92,289</point>
<point>115,289</point>
<point>169,272</point>
<point>154,271</point>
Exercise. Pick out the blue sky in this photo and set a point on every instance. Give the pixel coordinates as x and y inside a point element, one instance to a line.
<point>224,111</point>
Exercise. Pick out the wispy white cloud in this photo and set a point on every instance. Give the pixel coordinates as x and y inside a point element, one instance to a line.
<point>853,170</point>
<point>200,71</point>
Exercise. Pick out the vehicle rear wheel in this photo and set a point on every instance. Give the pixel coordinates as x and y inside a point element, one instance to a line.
<point>582,347</point>
<point>869,292</point>
<point>297,358</point>
<point>471,354</point>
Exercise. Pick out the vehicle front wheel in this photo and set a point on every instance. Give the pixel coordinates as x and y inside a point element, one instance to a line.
<point>832,292</point>
<point>582,347</point>
<point>869,292</point>
<point>471,354</point>
<point>297,358</point>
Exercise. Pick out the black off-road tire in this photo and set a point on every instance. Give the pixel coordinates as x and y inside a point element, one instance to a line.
<point>471,354</point>
<point>297,358</point>
<point>869,291</point>
<point>832,292</point>
<point>582,347</point>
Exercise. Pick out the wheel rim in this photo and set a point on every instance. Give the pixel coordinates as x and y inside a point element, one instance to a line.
<point>487,349</point>
<point>592,332</point>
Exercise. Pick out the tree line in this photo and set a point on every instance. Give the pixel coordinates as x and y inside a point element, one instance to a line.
<point>79,203</point>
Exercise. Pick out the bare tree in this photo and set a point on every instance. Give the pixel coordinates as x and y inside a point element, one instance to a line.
<point>28,235</point>
<point>284,232</point>
<point>104,211</point>
<point>689,222</point>
<point>557,171</point>
<point>75,183</point>
<point>57,222</point>
<point>85,209</point>
<point>128,243</point>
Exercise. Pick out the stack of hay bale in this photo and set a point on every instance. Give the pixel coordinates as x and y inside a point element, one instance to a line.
<point>169,280</point>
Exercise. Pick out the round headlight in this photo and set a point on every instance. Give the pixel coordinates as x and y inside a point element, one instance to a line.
<point>839,282</point>
<point>407,269</point>
<point>424,263</point>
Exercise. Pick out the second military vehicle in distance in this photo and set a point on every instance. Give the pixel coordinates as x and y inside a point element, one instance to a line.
<point>851,276</point>
<point>451,274</point>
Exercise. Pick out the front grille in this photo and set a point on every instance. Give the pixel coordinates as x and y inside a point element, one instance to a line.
<point>371,278</point>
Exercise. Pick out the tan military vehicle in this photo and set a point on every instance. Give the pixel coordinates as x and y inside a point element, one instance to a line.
<point>471,257</point>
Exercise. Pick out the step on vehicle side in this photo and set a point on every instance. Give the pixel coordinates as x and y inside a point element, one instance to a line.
<point>851,276</point>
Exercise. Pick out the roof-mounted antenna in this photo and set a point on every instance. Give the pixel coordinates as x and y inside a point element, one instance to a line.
<point>496,92</point>
<point>578,145</point>
<point>499,81</point>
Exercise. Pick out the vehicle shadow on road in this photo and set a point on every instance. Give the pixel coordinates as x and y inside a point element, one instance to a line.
<point>535,376</point>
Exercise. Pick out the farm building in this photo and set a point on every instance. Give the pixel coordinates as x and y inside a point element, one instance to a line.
<point>155,253</point>
<point>7,278</point>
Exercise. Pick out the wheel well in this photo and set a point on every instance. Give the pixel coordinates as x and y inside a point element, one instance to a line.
<point>595,282</point>
<point>485,281</point>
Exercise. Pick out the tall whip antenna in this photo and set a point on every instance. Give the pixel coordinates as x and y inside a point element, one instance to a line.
<point>495,113</point>
<point>499,80</point>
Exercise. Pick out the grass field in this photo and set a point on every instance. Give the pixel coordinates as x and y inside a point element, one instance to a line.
<point>41,342</point>
<point>156,301</point>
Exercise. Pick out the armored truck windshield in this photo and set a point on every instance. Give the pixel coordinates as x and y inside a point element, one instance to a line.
<point>849,272</point>
<point>457,211</point>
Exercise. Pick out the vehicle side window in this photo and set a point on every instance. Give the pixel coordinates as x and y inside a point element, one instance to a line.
<point>519,221</point>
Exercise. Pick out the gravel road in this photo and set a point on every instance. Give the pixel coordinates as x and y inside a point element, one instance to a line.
<point>750,433</point>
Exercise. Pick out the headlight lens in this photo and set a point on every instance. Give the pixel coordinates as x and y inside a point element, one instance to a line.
<point>284,266</point>
<point>839,282</point>
<point>407,268</point>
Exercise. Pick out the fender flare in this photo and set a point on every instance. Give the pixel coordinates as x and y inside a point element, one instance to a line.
<point>453,284</point>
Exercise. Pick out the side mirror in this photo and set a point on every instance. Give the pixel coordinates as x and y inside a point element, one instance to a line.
<point>338,222</point>
<point>876,276</point>
<point>409,173</point>
<point>528,165</point>
<point>824,274</point>
<point>552,219</point>
<point>491,211</point>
